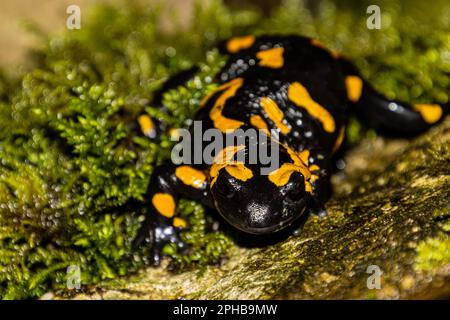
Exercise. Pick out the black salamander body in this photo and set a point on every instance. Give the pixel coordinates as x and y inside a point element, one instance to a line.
<point>301,95</point>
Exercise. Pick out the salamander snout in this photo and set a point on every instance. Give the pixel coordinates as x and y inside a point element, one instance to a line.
<point>257,205</point>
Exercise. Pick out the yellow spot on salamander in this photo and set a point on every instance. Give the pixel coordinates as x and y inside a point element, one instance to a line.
<point>300,96</point>
<point>281,176</point>
<point>275,114</point>
<point>271,58</point>
<point>223,159</point>
<point>147,126</point>
<point>339,139</point>
<point>227,154</point>
<point>308,186</point>
<point>354,85</point>
<point>220,122</point>
<point>431,113</point>
<point>239,171</point>
<point>304,156</point>
<point>259,123</point>
<point>296,158</point>
<point>164,204</point>
<point>320,45</point>
<point>190,176</point>
<point>179,223</point>
<point>222,87</point>
<point>207,97</point>
<point>238,43</point>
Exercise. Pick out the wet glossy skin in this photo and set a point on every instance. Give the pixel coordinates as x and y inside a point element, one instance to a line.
<point>304,93</point>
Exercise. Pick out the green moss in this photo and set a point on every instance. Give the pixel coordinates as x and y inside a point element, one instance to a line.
<point>206,247</point>
<point>71,162</point>
<point>73,174</point>
<point>433,253</point>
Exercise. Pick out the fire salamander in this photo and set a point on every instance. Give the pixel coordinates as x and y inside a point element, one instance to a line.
<point>301,91</point>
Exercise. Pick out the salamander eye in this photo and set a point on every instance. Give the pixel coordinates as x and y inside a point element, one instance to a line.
<point>226,189</point>
<point>295,194</point>
<point>296,188</point>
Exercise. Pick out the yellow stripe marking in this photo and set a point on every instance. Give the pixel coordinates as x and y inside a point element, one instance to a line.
<point>179,223</point>
<point>339,139</point>
<point>222,87</point>
<point>222,160</point>
<point>146,124</point>
<point>239,171</point>
<point>238,43</point>
<point>314,168</point>
<point>164,204</point>
<point>220,122</point>
<point>275,114</point>
<point>207,97</point>
<point>259,123</point>
<point>354,85</point>
<point>190,176</point>
<point>227,154</point>
<point>431,113</point>
<point>296,158</point>
<point>304,156</point>
<point>281,176</point>
<point>300,96</point>
<point>271,58</point>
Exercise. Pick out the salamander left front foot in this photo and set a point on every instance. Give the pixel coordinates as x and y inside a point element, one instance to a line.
<point>157,235</point>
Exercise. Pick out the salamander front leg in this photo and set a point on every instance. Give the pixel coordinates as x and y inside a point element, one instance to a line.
<point>163,225</point>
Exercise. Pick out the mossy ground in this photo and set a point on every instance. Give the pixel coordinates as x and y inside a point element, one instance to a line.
<point>72,168</point>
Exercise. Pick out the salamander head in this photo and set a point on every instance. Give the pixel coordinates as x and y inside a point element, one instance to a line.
<point>259,203</point>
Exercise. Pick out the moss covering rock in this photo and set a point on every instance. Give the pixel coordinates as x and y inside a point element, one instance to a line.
<point>73,172</point>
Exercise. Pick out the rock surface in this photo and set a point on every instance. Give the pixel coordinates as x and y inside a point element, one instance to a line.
<point>391,209</point>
